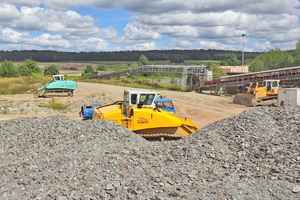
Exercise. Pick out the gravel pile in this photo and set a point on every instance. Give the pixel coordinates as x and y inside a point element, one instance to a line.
<point>254,155</point>
<point>28,107</point>
<point>97,98</point>
<point>31,107</point>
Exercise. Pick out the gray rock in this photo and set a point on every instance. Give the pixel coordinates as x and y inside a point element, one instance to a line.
<point>296,189</point>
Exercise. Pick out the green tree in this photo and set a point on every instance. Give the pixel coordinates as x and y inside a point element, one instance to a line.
<point>29,66</point>
<point>297,54</point>
<point>216,69</point>
<point>274,59</point>
<point>88,69</point>
<point>83,75</point>
<point>8,69</point>
<point>176,59</point>
<point>121,66</point>
<point>101,67</point>
<point>51,70</point>
<point>230,60</point>
<point>143,60</point>
<point>133,65</point>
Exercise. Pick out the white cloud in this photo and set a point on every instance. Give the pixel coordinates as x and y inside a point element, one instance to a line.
<point>164,6</point>
<point>179,43</point>
<point>132,34</point>
<point>145,46</point>
<point>47,40</point>
<point>23,41</point>
<point>213,45</point>
<point>22,46</point>
<point>91,44</point>
<point>9,13</point>
<point>8,35</point>
<point>29,3</point>
<point>40,19</point>
<point>216,23</point>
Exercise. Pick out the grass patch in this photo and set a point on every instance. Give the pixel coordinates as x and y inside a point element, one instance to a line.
<point>145,84</point>
<point>22,85</point>
<point>55,106</point>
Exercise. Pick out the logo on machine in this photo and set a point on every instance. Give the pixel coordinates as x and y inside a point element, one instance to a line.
<point>142,121</point>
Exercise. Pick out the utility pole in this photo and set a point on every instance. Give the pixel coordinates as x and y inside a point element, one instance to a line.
<point>243,35</point>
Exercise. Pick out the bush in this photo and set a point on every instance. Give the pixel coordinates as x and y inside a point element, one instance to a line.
<point>143,60</point>
<point>230,60</point>
<point>28,67</point>
<point>133,65</point>
<point>176,59</point>
<point>83,75</point>
<point>216,69</point>
<point>101,68</point>
<point>274,59</point>
<point>51,70</point>
<point>8,69</point>
<point>88,69</point>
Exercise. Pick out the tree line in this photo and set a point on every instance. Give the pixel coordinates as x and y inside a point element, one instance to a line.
<point>176,56</point>
<point>272,59</point>
<point>27,68</point>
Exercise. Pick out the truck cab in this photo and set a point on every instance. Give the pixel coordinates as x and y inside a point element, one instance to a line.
<point>164,104</point>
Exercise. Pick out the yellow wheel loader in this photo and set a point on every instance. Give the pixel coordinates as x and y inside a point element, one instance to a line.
<point>137,112</point>
<point>264,94</point>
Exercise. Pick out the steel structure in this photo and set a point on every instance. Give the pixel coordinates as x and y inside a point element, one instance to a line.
<point>148,69</point>
<point>186,71</point>
<point>220,85</point>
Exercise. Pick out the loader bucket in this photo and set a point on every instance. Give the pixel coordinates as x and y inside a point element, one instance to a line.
<point>245,99</point>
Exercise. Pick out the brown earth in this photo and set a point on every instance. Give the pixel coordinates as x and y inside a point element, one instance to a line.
<point>202,109</point>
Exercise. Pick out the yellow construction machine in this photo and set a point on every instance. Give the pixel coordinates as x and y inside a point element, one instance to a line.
<point>138,113</point>
<point>264,94</point>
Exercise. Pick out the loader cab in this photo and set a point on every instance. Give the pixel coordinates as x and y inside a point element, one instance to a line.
<point>271,84</point>
<point>139,98</point>
<point>58,78</point>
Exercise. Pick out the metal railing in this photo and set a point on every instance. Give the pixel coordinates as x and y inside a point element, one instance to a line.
<point>148,69</point>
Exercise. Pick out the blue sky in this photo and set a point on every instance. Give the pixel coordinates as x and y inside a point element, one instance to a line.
<point>106,25</point>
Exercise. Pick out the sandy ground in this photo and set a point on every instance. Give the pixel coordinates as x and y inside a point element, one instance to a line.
<point>202,109</point>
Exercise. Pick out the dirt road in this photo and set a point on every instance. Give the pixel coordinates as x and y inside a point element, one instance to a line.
<point>202,109</point>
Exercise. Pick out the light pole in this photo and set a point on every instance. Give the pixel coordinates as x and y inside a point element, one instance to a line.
<point>244,34</point>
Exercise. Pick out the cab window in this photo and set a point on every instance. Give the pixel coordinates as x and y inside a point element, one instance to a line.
<point>159,105</point>
<point>275,84</point>
<point>126,97</point>
<point>146,99</point>
<point>133,98</point>
<point>168,105</point>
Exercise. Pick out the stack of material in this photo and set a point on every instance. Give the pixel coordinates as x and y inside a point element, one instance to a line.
<point>254,155</point>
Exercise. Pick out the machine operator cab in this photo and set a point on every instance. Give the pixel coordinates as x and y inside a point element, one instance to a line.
<point>138,98</point>
<point>148,99</point>
<point>58,78</point>
<point>164,104</point>
<point>270,84</point>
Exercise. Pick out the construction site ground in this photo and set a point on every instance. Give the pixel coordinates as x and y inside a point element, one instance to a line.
<point>202,109</point>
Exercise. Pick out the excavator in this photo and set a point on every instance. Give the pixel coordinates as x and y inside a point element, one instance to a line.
<point>59,87</point>
<point>264,94</point>
<point>138,113</point>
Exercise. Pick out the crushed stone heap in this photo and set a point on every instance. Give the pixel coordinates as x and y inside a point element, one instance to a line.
<point>254,155</point>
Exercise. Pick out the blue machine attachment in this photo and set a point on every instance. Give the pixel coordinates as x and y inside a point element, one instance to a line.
<point>87,111</point>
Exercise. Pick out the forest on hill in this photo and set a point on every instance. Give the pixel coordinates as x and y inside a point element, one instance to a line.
<point>56,56</point>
